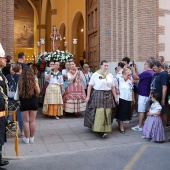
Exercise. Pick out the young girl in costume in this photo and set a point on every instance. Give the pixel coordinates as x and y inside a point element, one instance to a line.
<point>53,102</point>
<point>153,127</point>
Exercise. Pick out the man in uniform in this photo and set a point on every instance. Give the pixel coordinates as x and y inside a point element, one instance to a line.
<point>3,104</point>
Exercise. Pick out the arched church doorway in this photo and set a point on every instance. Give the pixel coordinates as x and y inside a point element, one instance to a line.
<point>78,33</point>
<point>25,30</point>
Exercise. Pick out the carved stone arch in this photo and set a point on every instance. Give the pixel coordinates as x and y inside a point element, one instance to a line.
<point>76,18</point>
<point>43,12</point>
<point>35,11</point>
<point>36,33</point>
<point>77,26</point>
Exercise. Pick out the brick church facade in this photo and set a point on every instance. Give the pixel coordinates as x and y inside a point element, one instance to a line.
<point>131,28</point>
<point>114,29</point>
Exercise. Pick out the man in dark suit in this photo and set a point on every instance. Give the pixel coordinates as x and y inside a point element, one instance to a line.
<point>21,59</point>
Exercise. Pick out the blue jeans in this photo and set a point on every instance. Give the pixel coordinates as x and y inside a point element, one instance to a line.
<point>19,115</point>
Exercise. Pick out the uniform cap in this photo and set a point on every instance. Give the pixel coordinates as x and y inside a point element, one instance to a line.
<point>2,52</point>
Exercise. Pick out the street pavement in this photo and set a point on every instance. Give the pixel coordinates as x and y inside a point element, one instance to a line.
<point>67,144</point>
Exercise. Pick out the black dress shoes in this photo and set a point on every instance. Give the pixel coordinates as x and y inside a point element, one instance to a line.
<point>122,131</point>
<point>3,163</point>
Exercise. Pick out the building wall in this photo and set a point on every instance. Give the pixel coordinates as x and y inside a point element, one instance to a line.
<point>7,26</point>
<point>128,28</point>
<point>164,29</point>
<point>137,29</point>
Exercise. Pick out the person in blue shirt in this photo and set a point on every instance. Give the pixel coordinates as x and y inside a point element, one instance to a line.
<point>159,85</point>
<point>17,69</point>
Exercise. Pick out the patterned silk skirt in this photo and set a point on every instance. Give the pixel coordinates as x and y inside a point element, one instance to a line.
<point>99,111</point>
<point>153,128</point>
<point>74,98</point>
<point>53,102</point>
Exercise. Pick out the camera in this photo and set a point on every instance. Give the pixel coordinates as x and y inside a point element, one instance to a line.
<point>78,68</point>
<point>133,63</point>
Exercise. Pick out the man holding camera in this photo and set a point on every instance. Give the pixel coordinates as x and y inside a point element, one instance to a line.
<point>143,92</point>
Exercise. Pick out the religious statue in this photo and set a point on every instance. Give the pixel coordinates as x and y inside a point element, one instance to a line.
<point>55,38</point>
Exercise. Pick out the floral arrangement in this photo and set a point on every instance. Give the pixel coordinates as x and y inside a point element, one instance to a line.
<point>61,56</point>
<point>40,58</point>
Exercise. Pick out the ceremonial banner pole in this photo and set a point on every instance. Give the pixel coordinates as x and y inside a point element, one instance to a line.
<point>74,43</point>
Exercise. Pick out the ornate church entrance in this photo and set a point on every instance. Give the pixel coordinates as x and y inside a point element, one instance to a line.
<point>23,28</point>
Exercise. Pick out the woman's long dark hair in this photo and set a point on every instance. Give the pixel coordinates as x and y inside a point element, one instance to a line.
<point>26,83</point>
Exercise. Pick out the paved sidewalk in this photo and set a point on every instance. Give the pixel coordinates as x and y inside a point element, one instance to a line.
<point>68,135</point>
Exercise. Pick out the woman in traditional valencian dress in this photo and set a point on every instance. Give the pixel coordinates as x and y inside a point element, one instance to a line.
<point>74,96</point>
<point>126,97</point>
<point>100,101</point>
<point>53,103</point>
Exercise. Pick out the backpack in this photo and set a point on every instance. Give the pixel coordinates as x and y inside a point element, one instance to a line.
<point>12,87</point>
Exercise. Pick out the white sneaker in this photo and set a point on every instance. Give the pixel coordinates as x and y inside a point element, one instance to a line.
<point>137,128</point>
<point>104,135</point>
<point>143,137</point>
<point>134,114</point>
<point>57,117</point>
<point>127,121</point>
<point>21,134</point>
<point>25,140</point>
<point>32,139</point>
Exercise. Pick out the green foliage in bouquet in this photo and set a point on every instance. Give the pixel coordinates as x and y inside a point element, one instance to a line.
<point>40,57</point>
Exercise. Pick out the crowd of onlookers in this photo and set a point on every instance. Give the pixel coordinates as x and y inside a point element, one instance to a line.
<point>151,90</point>
<point>100,95</point>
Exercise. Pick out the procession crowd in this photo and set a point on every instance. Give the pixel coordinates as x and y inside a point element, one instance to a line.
<point>100,95</point>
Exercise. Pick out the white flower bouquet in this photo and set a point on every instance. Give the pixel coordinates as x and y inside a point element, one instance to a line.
<point>60,56</point>
<point>40,57</point>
